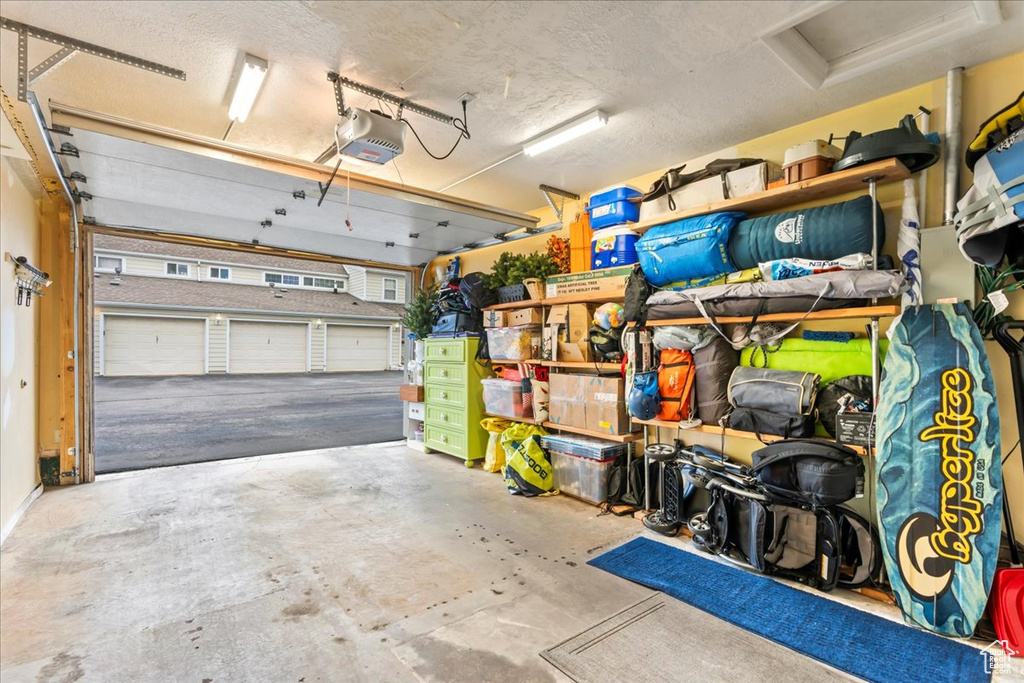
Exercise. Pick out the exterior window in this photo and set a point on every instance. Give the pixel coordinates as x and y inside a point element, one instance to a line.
<point>177,269</point>
<point>390,289</point>
<point>272,278</point>
<point>218,273</point>
<point>281,279</point>
<point>327,283</point>
<point>107,264</point>
<point>307,281</point>
<point>290,279</point>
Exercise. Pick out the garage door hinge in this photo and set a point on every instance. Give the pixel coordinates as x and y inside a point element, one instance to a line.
<point>68,150</point>
<point>89,220</point>
<point>79,194</point>
<point>77,176</point>
<point>71,473</point>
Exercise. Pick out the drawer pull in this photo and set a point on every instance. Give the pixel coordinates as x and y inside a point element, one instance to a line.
<point>444,373</point>
<point>444,439</point>
<point>444,394</point>
<point>444,417</point>
<point>444,351</point>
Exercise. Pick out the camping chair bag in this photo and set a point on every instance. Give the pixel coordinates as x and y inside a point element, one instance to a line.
<point>823,232</point>
<point>780,391</point>
<point>714,364</point>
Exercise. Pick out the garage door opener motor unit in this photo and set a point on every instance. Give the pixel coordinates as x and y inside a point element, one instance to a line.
<point>369,136</point>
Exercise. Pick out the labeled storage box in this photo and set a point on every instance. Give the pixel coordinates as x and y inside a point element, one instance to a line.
<point>495,318</point>
<point>503,397</point>
<point>524,316</point>
<point>613,207</point>
<point>581,477</point>
<point>613,247</point>
<point>855,429</point>
<point>590,281</point>
<point>513,343</point>
<point>739,183</point>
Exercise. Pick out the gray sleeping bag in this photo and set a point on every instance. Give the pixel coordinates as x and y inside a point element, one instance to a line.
<point>799,295</point>
<point>823,232</point>
<point>713,365</point>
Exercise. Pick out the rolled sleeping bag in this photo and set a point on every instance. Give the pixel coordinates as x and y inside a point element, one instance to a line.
<point>714,364</point>
<point>823,232</point>
<point>689,248</point>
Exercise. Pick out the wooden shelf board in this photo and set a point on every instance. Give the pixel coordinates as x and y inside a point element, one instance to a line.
<point>718,431</point>
<point>584,298</point>
<point>618,438</point>
<point>822,187</point>
<point>578,365</point>
<point>831,314</point>
<point>525,420</point>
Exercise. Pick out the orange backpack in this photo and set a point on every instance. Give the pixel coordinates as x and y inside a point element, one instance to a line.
<point>675,384</point>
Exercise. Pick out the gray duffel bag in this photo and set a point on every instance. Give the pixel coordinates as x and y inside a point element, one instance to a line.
<point>780,391</point>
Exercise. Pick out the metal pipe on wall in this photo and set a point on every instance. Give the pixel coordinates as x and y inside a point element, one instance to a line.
<point>954,103</point>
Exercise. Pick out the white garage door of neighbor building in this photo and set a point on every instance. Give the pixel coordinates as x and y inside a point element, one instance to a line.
<point>354,347</point>
<point>153,346</point>
<point>259,347</point>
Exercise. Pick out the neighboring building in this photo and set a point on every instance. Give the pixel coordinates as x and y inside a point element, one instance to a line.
<point>183,310</point>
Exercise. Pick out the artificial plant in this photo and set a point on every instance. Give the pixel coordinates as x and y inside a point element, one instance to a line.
<point>417,317</point>
<point>558,250</point>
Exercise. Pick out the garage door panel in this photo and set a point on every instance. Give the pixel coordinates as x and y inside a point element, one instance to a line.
<point>262,347</point>
<point>356,347</point>
<point>138,345</point>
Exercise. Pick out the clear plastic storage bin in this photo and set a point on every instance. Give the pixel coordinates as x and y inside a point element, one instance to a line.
<point>512,343</point>
<point>582,477</point>
<point>504,398</point>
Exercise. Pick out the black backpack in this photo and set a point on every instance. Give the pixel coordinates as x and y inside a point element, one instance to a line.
<point>638,290</point>
<point>620,474</point>
<point>477,291</point>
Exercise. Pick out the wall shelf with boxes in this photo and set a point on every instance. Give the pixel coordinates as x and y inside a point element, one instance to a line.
<point>725,431</point>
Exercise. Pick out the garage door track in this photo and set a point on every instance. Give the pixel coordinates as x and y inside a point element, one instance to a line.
<point>144,422</point>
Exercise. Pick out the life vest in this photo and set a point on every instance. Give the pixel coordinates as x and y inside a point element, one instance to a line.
<point>675,385</point>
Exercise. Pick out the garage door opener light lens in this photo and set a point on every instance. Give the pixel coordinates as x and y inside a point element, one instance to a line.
<point>254,70</point>
<point>566,132</point>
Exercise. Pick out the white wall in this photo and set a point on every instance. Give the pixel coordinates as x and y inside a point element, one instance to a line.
<point>19,338</point>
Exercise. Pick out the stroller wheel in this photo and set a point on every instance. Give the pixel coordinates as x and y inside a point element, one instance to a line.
<point>701,529</point>
<point>661,452</point>
<point>657,523</point>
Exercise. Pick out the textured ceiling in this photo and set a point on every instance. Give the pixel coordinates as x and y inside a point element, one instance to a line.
<point>679,79</point>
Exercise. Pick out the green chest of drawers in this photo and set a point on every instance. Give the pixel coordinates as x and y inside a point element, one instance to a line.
<point>454,398</point>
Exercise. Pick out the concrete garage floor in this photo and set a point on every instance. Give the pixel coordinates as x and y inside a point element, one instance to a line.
<point>144,422</point>
<point>373,563</point>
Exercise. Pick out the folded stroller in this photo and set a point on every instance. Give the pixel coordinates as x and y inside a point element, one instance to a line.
<point>783,516</point>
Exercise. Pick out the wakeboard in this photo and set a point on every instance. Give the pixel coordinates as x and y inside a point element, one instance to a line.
<point>938,480</point>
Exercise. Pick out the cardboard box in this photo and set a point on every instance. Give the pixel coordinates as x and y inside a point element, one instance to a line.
<point>587,402</point>
<point>603,280</point>
<point>524,316</point>
<point>496,319</point>
<point>741,182</point>
<point>411,392</point>
<point>566,331</point>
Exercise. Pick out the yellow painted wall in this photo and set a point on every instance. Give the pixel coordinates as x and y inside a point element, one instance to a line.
<point>19,343</point>
<point>987,88</point>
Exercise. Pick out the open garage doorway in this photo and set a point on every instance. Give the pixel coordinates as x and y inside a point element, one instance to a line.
<point>208,354</point>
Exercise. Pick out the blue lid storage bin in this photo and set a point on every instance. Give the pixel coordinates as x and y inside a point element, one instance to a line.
<point>613,247</point>
<point>612,207</point>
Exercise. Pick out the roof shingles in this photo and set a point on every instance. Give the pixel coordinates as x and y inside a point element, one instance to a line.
<point>190,294</point>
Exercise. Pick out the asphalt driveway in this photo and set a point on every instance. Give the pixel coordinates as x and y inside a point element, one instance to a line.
<point>144,422</point>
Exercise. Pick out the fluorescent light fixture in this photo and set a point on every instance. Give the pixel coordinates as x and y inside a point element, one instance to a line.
<point>566,132</point>
<point>254,70</point>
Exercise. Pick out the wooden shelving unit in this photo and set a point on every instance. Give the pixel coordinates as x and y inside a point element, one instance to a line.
<point>618,438</point>
<point>584,298</point>
<point>832,314</point>
<point>719,431</point>
<point>525,420</point>
<point>576,365</point>
<point>822,187</point>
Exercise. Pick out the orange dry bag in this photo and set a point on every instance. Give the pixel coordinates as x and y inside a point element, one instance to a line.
<point>675,384</point>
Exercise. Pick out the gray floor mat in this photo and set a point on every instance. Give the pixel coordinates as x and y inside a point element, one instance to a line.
<point>662,639</point>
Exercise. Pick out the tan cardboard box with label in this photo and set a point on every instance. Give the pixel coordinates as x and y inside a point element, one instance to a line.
<point>591,281</point>
<point>606,407</point>
<point>496,319</point>
<point>566,330</point>
<point>566,404</point>
<point>525,316</point>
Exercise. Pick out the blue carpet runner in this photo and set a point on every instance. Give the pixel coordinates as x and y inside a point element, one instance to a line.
<point>859,643</point>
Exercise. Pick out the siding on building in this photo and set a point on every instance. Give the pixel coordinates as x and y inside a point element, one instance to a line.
<point>357,281</point>
<point>375,286</point>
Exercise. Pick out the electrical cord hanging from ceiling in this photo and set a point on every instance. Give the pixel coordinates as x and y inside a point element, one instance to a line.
<point>460,125</point>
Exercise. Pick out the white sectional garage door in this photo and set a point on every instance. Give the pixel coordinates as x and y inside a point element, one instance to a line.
<point>352,347</point>
<point>259,347</point>
<point>153,346</point>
